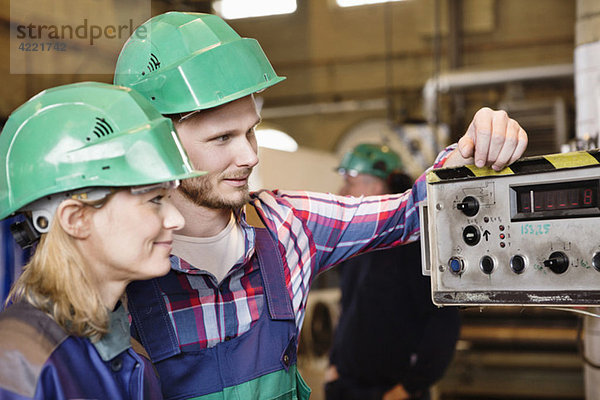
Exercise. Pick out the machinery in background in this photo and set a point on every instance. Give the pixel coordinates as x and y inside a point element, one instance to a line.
<point>508,353</point>
<point>545,120</point>
<point>504,353</point>
<point>322,314</point>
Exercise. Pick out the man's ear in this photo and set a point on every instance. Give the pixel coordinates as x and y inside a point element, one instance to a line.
<point>74,218</point>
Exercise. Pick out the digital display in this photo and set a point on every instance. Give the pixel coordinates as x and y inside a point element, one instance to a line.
<point>556,200</point>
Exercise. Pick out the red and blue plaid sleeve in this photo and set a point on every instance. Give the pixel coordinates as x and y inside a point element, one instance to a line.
<point>316,230</point>
<point>327,229</point>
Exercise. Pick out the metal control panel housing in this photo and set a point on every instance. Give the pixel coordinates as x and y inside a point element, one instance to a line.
<point>527,235</point>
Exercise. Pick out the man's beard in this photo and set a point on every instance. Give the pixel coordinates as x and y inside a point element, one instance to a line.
<point>202,192</point>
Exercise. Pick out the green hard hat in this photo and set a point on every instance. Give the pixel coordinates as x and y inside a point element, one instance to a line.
<point>185,62</point>
<point>86,135</point>
<point>372,159</point>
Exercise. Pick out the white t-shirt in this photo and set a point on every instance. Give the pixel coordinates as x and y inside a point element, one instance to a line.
<point>216,254</point>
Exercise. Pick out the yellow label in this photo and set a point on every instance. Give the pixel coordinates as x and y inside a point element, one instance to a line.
<point>570,160</point>
<point>432,177</point>
<point>487,171</point>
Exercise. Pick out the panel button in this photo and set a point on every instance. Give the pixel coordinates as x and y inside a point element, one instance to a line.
<point>596,261</point>
<point>558,262</point>
<point>517,264</point>
<point>487,264</point>
<point>456,265</point>
<point>471,235</point>
<point>469,206</point>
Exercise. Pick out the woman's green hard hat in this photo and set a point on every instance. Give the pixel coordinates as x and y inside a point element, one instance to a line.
<point>86,135</point>
<point>185,62</point>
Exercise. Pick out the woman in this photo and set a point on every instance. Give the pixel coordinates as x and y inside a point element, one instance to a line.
<point>89,167</point>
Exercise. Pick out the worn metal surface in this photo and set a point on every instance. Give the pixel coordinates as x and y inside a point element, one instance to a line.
<point>473,251</point>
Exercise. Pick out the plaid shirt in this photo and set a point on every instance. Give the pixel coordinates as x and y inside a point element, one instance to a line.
<point>314,230</point>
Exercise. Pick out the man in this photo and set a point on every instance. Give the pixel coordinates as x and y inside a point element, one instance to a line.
<point>384,293</point>
<point>224,322</point>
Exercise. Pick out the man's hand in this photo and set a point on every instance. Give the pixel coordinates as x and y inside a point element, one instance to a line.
<point>492,139</point>
<point>396,393</point>
<point>331,374</point>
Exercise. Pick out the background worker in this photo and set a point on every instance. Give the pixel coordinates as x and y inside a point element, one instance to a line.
<point>224,323</point>
<point>386,297</point>
<point>97,204</point>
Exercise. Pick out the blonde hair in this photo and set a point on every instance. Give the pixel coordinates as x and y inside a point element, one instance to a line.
<point>56,280</point>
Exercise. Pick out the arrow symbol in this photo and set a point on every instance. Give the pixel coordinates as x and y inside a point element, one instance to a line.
<point>487,235</point>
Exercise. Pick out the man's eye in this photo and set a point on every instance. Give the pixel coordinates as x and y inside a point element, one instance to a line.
<point>157,199</point>
<point>223,138</point>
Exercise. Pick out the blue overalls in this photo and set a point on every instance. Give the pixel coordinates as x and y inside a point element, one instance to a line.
<point>259,364</point>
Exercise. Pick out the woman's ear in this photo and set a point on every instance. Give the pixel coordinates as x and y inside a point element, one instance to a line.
<point>74,218</point>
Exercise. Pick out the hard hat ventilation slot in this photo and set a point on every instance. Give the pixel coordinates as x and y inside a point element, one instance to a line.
<point>153,64</point>
<point>101,129</point>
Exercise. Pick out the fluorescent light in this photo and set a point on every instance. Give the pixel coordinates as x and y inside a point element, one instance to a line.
<point>233,9</point>
<point>352,3</point>
<point>274,139</point>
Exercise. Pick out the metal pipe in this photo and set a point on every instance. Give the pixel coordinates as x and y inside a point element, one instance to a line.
<point>324,108</point>
<point>466,79</point>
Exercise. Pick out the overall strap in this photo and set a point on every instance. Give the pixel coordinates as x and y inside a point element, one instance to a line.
<point>271,266</point>
<point>151,319</point>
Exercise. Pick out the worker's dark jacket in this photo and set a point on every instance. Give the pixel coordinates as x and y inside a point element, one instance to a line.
<point>390,332</point>
<point>39,360</point>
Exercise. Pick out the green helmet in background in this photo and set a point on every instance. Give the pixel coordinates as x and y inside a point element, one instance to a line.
<point>372,159</point>
<point>85,135</point>
<point>185,62</point>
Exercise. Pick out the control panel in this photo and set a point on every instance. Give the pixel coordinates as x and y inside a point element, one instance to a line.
<point>528,235</point>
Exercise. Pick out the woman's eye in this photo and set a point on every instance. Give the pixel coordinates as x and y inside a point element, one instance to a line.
<point>223,138</point>
<point>157,199</point>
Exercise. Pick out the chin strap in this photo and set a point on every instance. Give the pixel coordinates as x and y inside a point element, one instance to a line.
<point>38,215</point>
<point>24,233</point>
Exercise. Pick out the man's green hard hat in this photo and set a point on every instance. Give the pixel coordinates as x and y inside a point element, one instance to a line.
<point>372,159</point>
<point>185,62</point>
<point>86,135</point>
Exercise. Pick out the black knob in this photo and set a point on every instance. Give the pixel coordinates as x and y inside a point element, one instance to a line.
<point>558,262</point>
<point>471,235</point>
<point>487,264</point>
<point>469,206</point>
<point>517,264</point>
<point>596,261</point>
